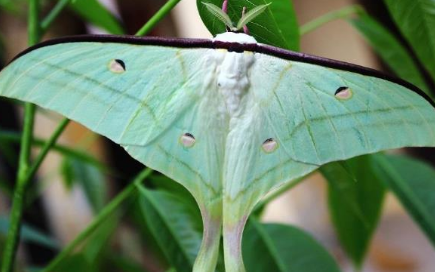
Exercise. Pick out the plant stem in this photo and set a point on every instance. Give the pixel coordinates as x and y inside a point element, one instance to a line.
<point>163,11</point>
<point>54,13</point>
<point>24,160</point>
<point>34,31</point>
<point>101,217</point>
<point>342,13</point>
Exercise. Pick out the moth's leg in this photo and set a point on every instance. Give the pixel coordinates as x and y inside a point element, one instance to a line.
<point>225,6</point>
<point>245,27</point>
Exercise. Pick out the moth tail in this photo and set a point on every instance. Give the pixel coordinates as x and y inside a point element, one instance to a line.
<point>209,252</point>
<point>233,227</point>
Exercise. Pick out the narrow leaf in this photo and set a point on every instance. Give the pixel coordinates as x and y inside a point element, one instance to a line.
<point>90,178</point>
<point>175,224</point>
<point>92,253</point>
<point>416,21</point>
<point>219,14</point>
<point>281,248</point>
<point>93,182</point>
<point>413,182</point>
<point>126,265</point>
<point>392,52</point>
<point>250,15</point>
<point>30,234</point>
<point>74,263</point>
<point>277,25</point>
<point>67,173</point>
<point>95,13</point>
<point>355,202</point>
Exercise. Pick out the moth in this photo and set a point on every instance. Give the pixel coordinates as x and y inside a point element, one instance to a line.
<point>230,119</point>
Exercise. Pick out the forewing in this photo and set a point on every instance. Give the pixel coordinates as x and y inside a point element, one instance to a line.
<point>145,101</point>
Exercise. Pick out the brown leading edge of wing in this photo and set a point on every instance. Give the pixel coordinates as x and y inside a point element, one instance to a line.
<point>235,47</point>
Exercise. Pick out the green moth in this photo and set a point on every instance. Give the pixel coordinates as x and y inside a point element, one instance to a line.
<point>228,118</point>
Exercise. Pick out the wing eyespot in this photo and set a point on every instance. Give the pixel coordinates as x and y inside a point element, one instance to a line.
<point>117,66</point>
<point>269,145</point>
<point>343,93</point>
<point>187,140</point>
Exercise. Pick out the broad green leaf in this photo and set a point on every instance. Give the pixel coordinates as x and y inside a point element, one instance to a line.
<point>416,21</point>
<point>163,183</point>
<point>126,265</point>
<point>413,182</point>
<point>12,6</point>
<point>92,251</point>
<point>97,243</point>
<point>29,234</point>
<point>77,262</point>
<point>89,178</point>
<point>281,248</point>
<point>176,225</point>
<point>95,13</point>
<point>277,25</point>
<point>355,202</point>
<point>392,52</point>
<point>67,172</point>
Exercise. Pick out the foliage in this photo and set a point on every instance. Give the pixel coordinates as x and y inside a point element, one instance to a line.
<point>168,217</point>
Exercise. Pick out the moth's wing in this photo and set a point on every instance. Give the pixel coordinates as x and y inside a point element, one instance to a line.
<point>321,127</point>
<point>146,108</point>
<point>297,107</point>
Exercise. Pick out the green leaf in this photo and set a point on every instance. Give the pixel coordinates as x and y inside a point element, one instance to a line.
<point>126,265</point>
<point>29,234</point>
<point>77,262</point>
<point>176,225</point>
<point>97,243</point>
<point>281,248</point>
<point>88,177</point>
<point>413,182</point>
<point>355,202</point>
<point>163,183</point>
<point>95,13</point>
<point>416,21</point>
<point>392,52</point>
<point>11,6</point>
<point>67,173</point>
<point>92,252</point>
<point>277,25</point>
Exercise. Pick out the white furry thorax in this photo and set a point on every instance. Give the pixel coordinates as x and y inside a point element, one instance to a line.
<point>232,73</point>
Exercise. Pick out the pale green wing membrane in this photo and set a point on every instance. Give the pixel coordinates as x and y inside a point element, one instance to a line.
<point>146,106</point>
<point>314,115</point>
<point>318,115</point>
<point>162,104</point>
<point>146,98</point>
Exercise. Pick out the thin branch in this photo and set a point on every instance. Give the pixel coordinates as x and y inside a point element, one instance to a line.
<point>101,217</point>
<point>9,136</point>
<point>343,13</point>
<point>12,238</point>
<point>163,11</point>
<point>54,13</point>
